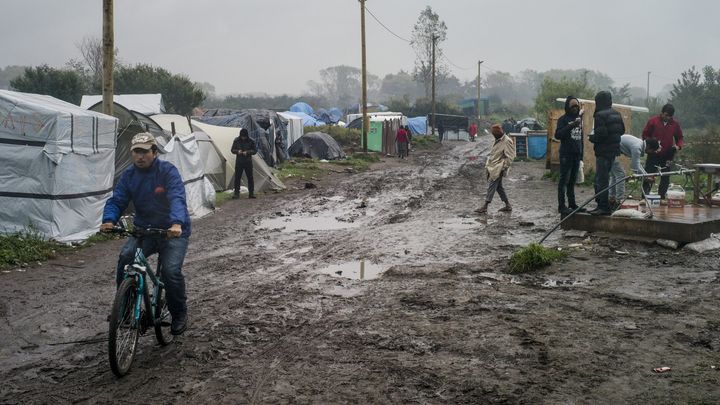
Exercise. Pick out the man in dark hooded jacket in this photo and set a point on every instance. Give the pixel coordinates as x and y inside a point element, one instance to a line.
<point>244,147</point>
<point>569,133</point>
<point>608,129</point>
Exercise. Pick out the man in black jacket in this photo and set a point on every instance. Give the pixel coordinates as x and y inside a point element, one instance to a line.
<point>569,132</point>
<point>243,148</point>
<point>609,127</point>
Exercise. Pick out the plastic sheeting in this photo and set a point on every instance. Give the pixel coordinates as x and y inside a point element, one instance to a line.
<point>183,152</point>
<point>317,145</point>
<point>265,179</point>
<point>418,125</point>
<point>294,128</point>
<point>307,120</point>
<point>262,126</point>
<point>147,104</point>
<point>57,166</point>
<point>302,108</point>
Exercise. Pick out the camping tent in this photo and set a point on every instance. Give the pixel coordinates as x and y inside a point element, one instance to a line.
<point>212,158</point>
<point>302,107</point>
<point>317,145</point>
<point>262,126</point>
<point>131,123</point>
<point>147,104</point>
<point>294,127</point>
<point>57,165</point>
<point>223,137</point>
<point>184,153</point>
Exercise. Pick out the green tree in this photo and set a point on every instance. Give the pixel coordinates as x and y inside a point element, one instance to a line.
<point>551,89</point>
<point>621,94</point>
<point>179,93</point>
<point>687,96</point>
<point>66,85</point>
<point>428,27</point>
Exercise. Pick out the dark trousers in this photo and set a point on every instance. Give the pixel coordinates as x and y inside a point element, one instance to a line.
<point>603,165</point>
<point>248,169</point>
<point>650,167</point>
<point>496,185</point>
<point>569,166</point>
<point>171,254</point>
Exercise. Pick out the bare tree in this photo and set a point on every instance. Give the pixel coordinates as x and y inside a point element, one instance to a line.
<point>428,27</point>
<point>90,66</point>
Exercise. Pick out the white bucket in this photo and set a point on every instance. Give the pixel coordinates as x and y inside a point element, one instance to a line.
<point>653,200</point>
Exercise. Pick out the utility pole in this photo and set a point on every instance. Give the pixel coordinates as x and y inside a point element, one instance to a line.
<point>365,123</point>
<point>647,98</point>
<point>432,122</point>
<point>108,57</point>
<point>478,93</point>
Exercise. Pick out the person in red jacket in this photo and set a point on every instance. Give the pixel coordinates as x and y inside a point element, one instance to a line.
<point>473,131</point>
<point>401,139</point>
<point>667,131</point>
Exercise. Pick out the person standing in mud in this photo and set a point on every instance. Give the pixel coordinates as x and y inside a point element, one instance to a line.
<point>472,130</point>
<point>569,133</point>
<point>243,148</point>
<point>156,189</point>
<point>409,136</point>
<point>669,135</point>
<point>441,131</point>
<point>609,127</point>
<point>497,165</point>
<point>401,139</point>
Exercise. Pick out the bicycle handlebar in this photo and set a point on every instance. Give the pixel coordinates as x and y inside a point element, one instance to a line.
<point>139,232</point>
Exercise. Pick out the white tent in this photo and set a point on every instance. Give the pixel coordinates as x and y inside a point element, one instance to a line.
<point>58,165</point>
<point>183,152</point>
<point>223,138</point>
<point>295,127</point>
<point>212,158</point>
<point>147,104</point>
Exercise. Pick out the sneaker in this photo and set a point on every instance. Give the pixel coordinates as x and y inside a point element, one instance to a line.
<point>235,196</point>
<point>565,212</point>
<point>252,196</point>
<point>179,324</point>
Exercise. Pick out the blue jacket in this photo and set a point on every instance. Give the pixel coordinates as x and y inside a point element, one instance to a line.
<point>157,193</point>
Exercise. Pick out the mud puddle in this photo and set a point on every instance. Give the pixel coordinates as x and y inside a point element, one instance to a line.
<point>328,221</point>
<point>355,270</point>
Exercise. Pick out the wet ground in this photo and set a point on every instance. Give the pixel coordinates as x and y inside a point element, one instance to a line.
<point>382,287</point>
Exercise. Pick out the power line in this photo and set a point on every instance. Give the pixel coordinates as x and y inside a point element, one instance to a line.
<point>451,62</point>
<point>384,26</point>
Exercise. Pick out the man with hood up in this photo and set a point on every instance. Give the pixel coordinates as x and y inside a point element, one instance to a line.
<point>498,162</point>
<point>244,147</point>
<point>569,133</point>
<point>609,127</point>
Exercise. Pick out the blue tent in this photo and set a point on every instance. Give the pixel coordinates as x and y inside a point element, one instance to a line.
<point>336,114</point>
<point>302,108</point>
<point>308,121</point>
<point>418,125</point>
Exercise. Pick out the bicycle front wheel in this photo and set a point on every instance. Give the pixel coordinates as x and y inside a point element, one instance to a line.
<point>162,319</point>
<point>124,328</point>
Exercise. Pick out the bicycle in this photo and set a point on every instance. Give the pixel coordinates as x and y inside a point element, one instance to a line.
<point>135,309</point>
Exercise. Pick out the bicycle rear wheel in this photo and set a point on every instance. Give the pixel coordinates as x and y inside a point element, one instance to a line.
<point>124,328</point>
<point>162,319</point>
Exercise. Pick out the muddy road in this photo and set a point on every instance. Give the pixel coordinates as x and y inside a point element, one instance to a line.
<point>381,287</point>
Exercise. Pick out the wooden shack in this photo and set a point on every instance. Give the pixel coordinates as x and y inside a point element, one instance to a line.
<point>552,160</point>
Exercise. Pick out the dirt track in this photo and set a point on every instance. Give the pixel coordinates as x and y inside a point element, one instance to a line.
<point>272,321</point>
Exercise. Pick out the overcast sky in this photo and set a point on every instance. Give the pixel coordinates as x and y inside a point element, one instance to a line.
<point>276,46</point>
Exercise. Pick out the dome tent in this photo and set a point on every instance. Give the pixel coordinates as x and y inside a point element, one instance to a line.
<point>317,145</point>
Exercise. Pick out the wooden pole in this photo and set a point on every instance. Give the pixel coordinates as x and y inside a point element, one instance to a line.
<point>432,122</point>
<point>478,92</point>
<point>365,121</point>
<point>108,56</point>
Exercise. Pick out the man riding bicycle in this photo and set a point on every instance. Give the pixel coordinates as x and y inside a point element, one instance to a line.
<point>157,191</point>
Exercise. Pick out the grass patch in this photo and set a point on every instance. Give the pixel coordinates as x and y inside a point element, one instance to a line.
<point>343,136</point>
<point>533,257</point>
<point>26,246</point>
<point>419,141</point>
<point>358,161</point>
<point>221,197</point>
<point>298,168</point>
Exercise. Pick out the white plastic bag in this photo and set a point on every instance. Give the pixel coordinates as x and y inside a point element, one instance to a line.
<point>581,173</point>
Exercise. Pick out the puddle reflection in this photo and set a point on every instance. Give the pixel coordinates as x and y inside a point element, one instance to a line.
<point>357,270</point>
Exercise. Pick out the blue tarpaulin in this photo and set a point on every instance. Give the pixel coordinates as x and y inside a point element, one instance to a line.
<point>308,121</point>
<point>302,108</point>
<point>418,125</point>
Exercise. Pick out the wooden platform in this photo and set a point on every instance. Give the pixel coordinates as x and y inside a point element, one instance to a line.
<point>688,224</point>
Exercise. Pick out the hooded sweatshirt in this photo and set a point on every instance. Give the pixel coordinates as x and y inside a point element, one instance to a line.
<point>570,136</point>
<point>609,126</point>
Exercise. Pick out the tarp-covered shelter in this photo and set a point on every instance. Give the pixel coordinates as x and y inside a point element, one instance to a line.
<point>331,116</point>
<point>302,107</point>
<point>183,152</point>
<point>147,104</point>
<point>211,156</point>
<point>307,120</point>
<point>262,126</point>
<point>265,179</point>
<point>131,123</point>
<point>317,145</point>
<point>455,126</point>
<point>57,165</point>
<point>295,127</point>
<point>417,125</point>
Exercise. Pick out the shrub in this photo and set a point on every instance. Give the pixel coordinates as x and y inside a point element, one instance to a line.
<point>533,257</point>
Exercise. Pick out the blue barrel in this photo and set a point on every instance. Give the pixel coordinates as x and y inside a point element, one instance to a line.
<point>537,146</point>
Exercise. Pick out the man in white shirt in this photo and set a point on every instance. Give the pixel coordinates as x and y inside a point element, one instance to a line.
<point>634,148</point>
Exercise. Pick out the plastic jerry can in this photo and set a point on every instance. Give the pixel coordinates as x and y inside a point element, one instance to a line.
<point>676,196</point>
